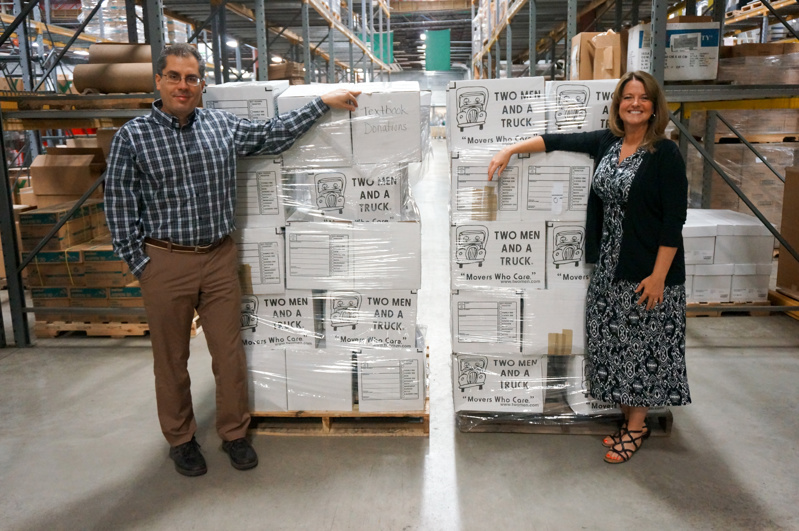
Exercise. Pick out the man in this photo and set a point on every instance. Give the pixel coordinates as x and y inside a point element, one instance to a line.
<point>170,196</point>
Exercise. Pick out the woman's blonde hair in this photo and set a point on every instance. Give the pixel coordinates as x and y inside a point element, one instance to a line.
<point>660,111</point>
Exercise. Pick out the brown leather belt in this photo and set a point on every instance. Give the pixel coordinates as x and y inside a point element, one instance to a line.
<point>175,248</point>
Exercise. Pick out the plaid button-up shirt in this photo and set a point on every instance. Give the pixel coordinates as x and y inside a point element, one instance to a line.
<point>178,183</point>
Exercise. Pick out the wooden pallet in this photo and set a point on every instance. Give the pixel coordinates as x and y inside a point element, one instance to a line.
<point>732,14</point>
<point>699,309</point>
<point>114,329</point>
<point>750,6</point>
<point>343,423</point>
<point>660,422</point>
<point>781,299</point>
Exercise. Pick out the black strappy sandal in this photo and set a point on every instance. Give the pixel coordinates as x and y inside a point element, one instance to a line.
<point>612,440</point>
<point>625,454</point>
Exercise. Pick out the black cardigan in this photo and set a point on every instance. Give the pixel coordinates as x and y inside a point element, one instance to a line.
<point>656,206</point>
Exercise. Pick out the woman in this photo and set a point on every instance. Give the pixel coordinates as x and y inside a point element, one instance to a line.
<point>635,308</point>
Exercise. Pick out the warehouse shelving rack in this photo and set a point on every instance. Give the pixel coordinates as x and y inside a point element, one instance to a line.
<point>250,22</point>
<point>684,99</point>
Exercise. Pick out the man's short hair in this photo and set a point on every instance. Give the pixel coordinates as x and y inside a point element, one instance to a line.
<point>180,49</point>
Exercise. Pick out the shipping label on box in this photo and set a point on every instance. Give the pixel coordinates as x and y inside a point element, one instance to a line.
<point>578,392</point>
<point>259,192</point>
<point>692,50</point>
<point>554,322</point>
<point>342,255</point>
<point>88,297</point>
<point>370,318</point>
<point>254,100</point>
<point>474,197</point>
<point>319,379</point>
<point>360,193</point>
<point>486,321</point>
<point>508,383</point>
<point>266,371</point>
<point>498,254</point>
<point>328,143</point>
<point>261,264</point>
<point>565,256</point>
<point>275,321</point>
<point>712,283</point>
<point>385,126</point>
<point>488,113</point>
<point>750,282</point>
<point>556,185</point>
<point>391,379</point>
<point>579,105</point>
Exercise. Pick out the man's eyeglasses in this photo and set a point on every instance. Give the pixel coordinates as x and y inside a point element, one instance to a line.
<point>173,78</point>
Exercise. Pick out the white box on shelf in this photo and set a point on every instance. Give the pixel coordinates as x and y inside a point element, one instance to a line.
<point>266,368</point>
<point>391,379</point>
<point>254,100</point>
<point>370,318</point>
<point>712,283</point>
<point>319,379</point>
<point>689,282</point>
<point>261,263</point>
<point>582,105</point>
<point>485,114</point>
<point>508,383</point>
<point>359,193</point>
<point>386,124</point>
<point>273,321</point>
<point>343,255</point>
<point>494,254</point>
<point>741,239</point>
<point>554,322</point>
<point>259,192</point>
<point>750,282</point>
<point>565,256</point>
<point>328,143</point>
<point>692,50</point>
<point>699,237</point>
<point>486,321</point>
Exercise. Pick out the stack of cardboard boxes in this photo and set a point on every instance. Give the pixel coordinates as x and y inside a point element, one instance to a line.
<point>77,267</point>
<point>518,271</point>
<point>330,254</point>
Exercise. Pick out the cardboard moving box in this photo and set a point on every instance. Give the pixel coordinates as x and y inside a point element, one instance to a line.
<point>64,174</point>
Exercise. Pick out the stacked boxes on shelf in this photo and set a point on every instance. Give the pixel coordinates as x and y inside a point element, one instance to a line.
<point>728,257</point>
<point>330,254</point>
<point>518,271</point>
<point>77,267</point>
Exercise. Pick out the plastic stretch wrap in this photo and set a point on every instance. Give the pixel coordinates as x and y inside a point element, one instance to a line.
<point>384,129</point>
<point>111,22</point>
<point>753,124</point>
<point>349,255</point>
<point>518,270</point>
<point>329,242</point>
<point>768,70</point>
<point>296,378</point>
<point>748,172</point>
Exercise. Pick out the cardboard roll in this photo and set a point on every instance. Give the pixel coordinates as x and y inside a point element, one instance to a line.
<point>117,53</point>
<point>122,78</point>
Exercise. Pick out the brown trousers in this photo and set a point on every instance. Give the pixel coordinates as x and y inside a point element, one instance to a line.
<point>174,285</point>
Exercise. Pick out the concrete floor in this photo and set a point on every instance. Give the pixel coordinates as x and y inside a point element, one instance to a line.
<point>80,446</point>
